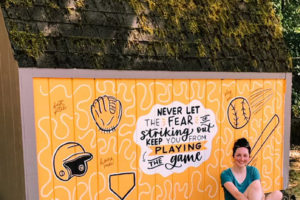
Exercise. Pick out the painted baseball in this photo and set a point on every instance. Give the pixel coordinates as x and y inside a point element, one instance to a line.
<point>238,112</point>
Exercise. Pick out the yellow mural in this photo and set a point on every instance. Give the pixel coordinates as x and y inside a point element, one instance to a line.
<point>110,139</point>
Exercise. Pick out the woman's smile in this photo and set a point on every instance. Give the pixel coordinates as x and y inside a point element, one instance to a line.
<point>241,157</point>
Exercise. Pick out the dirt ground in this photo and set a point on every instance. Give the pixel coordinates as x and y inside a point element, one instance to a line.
<point>294,175</point>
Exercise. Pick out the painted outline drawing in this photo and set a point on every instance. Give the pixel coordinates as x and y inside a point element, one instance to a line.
<point>69,160</point>
<point>259,98</point>
<point>238,112</point>
<point>267,131</point>
<point>106,112</point>
<point>126,179</point>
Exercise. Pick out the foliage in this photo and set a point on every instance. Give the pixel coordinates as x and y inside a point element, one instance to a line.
<point>296,91</point>
<point>289,14</point>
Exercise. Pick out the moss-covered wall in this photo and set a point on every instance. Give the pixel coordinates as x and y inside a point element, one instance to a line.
<point>226,35</point>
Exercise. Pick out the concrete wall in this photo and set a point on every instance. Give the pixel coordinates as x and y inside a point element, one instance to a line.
<point>12,186</point>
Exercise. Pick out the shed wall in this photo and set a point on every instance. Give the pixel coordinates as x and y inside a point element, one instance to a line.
<point>12,185</point>
<point>64,115</point>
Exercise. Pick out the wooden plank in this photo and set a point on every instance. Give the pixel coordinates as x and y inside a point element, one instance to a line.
<point>278,136</point>
<point>256,126</point>
<point>145,101</point>
<point>244,110</point>
<point>62,133</point>
<point>127,162</point>
<point>213,102</point>
<point>85,135</point>
<point>181,187</point>
<point>287,127</point>
<point>43,137</point>
<point>270,124</point>
<point>226,130</point>
<point>107,137</point>
<point>11,141</point>
<point>153,75</point>
<point>163,96</point>
<point>197,174</point>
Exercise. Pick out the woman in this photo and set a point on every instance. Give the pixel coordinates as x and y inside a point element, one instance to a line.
<point>242,182</point>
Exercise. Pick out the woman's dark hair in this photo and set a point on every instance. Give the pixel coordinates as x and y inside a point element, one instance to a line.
<point>242,142</point>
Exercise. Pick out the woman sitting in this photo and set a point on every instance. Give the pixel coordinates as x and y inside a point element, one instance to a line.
<point>242,182</point>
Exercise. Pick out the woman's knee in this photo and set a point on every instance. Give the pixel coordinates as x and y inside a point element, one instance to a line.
<point>276,195</point>
<point>255,186</point>
<point>254,191</point>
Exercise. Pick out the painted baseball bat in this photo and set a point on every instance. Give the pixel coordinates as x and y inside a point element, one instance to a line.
<point>267,131</point>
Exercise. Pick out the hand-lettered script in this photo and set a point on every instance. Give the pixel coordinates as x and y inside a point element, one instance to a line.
<point>174,137</point>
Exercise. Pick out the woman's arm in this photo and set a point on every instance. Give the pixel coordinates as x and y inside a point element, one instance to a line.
<point>230,187</point>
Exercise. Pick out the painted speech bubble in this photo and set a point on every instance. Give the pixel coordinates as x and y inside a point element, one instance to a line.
<point>174,137</point>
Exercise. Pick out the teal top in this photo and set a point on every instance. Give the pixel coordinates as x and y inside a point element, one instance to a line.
<point>227,176</point>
